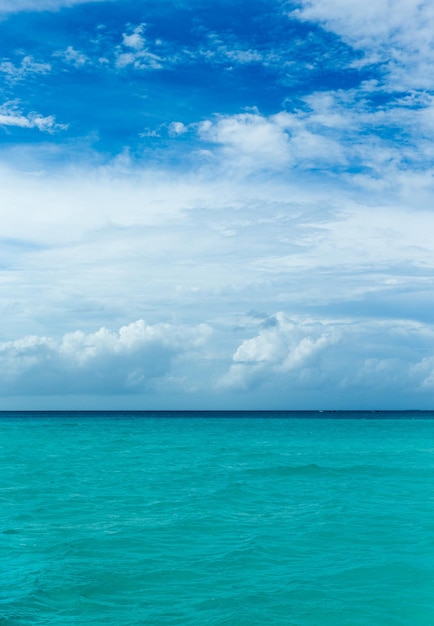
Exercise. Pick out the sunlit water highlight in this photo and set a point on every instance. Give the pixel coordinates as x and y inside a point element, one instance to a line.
<point>152,519</point>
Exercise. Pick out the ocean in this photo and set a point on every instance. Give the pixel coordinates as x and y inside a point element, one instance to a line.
<point>235,519</point>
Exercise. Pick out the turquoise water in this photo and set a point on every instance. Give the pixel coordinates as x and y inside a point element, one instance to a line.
<point>293,519</point>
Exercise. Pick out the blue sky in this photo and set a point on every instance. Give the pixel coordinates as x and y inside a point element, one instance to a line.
<point>216,204</point>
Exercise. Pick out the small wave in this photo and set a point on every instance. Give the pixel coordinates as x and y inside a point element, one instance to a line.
<point>288,470</point>
<point>313,469</point>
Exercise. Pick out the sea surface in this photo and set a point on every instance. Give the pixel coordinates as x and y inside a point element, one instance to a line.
<point>217,518</point>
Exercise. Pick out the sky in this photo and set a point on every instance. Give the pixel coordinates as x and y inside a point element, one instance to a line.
<point>216,204</point>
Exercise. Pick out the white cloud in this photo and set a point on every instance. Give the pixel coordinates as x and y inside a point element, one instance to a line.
<point>140,60</point>
<point>289,357</point>
<point>105,361</point>
<point>221,50</point>
<point>111,243</point>
<point>135,39</point>
<point>176,129</point>
<point>137,51</point>
<point>134,52</point>
<point>423,371</point>
<point>323,210</point>
<point>27,66</point>
<point>15,6</point>
<point>335,131</point>
<point>10,115</point>
<point>281,347</point>
<point>73,57</point>
<point>336,356</point>
<point>396,34</point>
<point>124,59</point>
<point>250,139</point>
<point>102,247</point>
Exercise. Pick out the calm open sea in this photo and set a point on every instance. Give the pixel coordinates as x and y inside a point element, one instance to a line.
<point>223,519</point>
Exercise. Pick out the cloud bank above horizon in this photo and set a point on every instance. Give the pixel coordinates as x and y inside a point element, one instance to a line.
<point>256,183</point>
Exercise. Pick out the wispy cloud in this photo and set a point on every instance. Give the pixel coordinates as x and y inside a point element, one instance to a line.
<point>11,115</point>
<point>73,57</point>
<point>135,51</point>
<point>28,66</point>
<point>396,35</point>
<point>220,48</point>
<point>15,6</point>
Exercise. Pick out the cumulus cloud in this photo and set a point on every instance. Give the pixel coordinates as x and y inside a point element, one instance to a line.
<point>288,355</point>
<point>282,346</point>
<point>254,141</point>
<point>347,354</point>
<point>250,138</point>
<point>109,362</point>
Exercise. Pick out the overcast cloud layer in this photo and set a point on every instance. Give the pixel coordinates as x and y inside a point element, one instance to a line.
<point>216,205</point>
